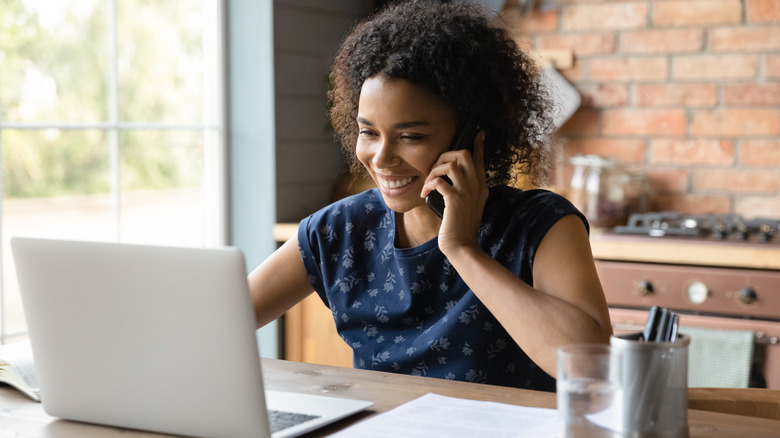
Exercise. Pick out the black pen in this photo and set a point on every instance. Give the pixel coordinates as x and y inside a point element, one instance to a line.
<point>673,331</point>
<point>663,326</point>
<point>651,325</point>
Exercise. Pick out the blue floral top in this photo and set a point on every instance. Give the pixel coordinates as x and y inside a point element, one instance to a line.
<point>407,310</point>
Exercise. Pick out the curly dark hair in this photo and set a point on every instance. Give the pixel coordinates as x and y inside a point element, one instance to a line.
<point>457,52</point>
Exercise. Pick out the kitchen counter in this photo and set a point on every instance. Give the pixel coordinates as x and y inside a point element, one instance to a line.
<point>685,251</point>
<point>610,246</point>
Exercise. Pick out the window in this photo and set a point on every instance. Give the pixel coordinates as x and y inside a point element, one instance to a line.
<point>111,126</point>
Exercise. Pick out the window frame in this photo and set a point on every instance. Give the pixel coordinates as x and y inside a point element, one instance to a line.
<point>216,157</point>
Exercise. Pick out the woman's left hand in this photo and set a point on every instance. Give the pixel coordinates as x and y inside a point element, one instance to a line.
<point>464,199</point>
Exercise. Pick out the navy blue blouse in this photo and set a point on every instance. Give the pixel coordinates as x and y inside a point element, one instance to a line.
<point>407,310</point>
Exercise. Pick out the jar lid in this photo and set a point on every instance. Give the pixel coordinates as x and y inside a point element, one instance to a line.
<point>593,161</point>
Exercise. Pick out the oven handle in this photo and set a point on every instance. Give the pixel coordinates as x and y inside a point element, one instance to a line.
<point>760,337</point>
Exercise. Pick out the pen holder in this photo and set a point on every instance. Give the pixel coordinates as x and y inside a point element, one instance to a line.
<point>653,378</point>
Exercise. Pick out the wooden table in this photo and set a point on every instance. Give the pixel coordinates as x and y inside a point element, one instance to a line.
<point>21,417</point>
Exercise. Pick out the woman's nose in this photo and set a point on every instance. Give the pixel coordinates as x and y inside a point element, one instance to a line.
<point>386,154</point>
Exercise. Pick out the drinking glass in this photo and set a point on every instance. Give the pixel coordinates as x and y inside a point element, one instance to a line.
<point>586,391</point>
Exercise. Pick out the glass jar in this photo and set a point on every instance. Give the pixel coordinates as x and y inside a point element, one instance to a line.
<point>637,193</point>
<point>597,189</point>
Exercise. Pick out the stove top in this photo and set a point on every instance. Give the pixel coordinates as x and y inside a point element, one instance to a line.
<point>719,227</point>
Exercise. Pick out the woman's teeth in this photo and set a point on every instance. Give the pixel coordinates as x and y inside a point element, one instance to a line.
<point>394,184</point>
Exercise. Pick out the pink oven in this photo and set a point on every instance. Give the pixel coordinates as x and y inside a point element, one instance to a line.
<point>717,272</point>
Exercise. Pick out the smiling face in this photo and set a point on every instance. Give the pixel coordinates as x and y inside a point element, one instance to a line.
<point>403,129</point>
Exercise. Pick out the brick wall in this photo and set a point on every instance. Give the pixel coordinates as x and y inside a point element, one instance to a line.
<point>687,91</point>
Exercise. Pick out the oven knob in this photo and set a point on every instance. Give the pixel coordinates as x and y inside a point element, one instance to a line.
<point>697,292</point>
<point>644,288</point>
<point>747,295</point>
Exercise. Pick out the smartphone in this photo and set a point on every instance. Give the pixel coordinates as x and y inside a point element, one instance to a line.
<point>464,139</point>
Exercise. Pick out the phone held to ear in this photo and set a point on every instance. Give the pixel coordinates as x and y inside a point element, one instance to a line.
<point>464,139</point>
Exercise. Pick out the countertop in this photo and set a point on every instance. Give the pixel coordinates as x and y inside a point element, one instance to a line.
<point>703,252</point>
<point>686,251</point>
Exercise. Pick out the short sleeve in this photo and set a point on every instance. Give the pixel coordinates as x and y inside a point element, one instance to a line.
<point>310,254</point>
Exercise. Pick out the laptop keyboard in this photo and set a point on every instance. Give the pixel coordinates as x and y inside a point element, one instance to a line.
<point>281,420</point>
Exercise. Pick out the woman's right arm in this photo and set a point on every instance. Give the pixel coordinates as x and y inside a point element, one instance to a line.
<point>279,283</point>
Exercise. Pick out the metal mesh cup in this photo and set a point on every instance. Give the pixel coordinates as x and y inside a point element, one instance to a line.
<point>653,377</point>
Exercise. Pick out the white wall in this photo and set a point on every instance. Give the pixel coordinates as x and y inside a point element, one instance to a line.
<point>252,138</point>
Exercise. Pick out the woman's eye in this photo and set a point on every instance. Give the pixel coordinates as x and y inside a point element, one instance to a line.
<point>365,132</point>
<point>412,137</point>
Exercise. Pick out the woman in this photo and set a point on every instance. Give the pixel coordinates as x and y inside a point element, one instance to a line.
<point>487,292</point>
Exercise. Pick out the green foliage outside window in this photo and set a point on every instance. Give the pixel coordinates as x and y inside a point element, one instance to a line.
<point>55,69</point>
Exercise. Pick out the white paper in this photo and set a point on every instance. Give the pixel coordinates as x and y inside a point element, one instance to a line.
<point>433,416</point>
<point>611,418</point>
<point>19,356</point>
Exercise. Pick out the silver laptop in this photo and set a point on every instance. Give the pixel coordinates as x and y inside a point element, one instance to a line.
<point>153,338</point>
